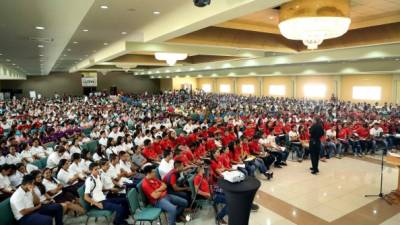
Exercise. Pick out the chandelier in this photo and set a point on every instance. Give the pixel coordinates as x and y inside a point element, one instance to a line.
<point>313,21</point>
<point>170,58</point>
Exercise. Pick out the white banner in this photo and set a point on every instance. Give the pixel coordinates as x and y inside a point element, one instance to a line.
<point>89,81</point>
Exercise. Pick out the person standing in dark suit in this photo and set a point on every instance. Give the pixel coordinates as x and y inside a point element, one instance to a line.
<point>316,132</point>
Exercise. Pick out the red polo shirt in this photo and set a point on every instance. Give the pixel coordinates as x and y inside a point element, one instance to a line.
<point>149,153</point>
<point>201,182</point>
<point>149,186</point>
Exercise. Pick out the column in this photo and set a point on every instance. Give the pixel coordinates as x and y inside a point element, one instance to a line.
<point>396,89</point>
<point>214,85</point>
<point>293,87</point>
<point>260,85</point>
<point>337,83</point>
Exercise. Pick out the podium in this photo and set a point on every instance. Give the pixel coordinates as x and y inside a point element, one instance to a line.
<point>394,196</point>
<point>239,198</point>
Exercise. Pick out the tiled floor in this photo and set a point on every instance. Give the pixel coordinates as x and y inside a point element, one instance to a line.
<point>338,190</point>
<point>395,220</point>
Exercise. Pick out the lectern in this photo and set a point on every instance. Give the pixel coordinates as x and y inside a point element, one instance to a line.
<point>394,196</point>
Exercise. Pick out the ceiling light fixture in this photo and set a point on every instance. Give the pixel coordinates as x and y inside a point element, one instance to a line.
<point>170,58</point>
<point>124,33</point>
<point>104,7</point>
<point>1,54</point>
<point>75,42</point>
<point>105,43</point>
<point>41,55</point>
<point>69,49</point>
<point>156,13</point>
<point>39,28</point>
<point>85,30</point>
<point>40,46</point>
<point>313,21</point>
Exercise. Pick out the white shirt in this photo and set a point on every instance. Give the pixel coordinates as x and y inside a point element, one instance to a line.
<point>41,196</point>
<point>13,159</point>
<point>331,133</point>
<point>126,166</point>
<point>27,154</point>
<point>165,167</point>
<point>65,176</point>
<point>293,135</point>
<point>76,169</point>
<point>20,200</point>
<point>376,132</point>
<point>53,160</point>
<point>38,151</point>
<point>2,160</point>
<point>5,183</point>
<point>50,185</point>
<point>94,187</point>
<point>103,141</point>
<point>106,179</point>
<point>75,149</point>
<point>16,178</point>
<point>113,135</point>
<point>96,157</point>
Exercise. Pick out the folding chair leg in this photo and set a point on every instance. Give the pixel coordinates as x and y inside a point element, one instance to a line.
<point>87,220</point>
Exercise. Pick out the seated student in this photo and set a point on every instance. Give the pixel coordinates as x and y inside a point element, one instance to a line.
<point>156,193</point>
<point>176,185</point>
<point>333,145</point>
<point>261,153</point>
<point>125,165</point>
<point>75,167</point>
<point>137,158</point>
<point>365,140</point>
<point>28,210</point>
<point>203,191</point>
<point>279,152</point>
<point>294,139</point>
<point>70,180</point>
<point>6,189</point>
<point>60,194</point>
<point>16,177</point>
<point>96,198</point>
<point>110,187</point>
<point>376,134</point>
<point>343,135</point>
<point>100,153</point>
<point>115,171</point>
<point>54,158</point>
<point>167,163</point>
<point>149,152</point>
<point>38,152</point>
<point>305,140</point>
<point>13,157</point>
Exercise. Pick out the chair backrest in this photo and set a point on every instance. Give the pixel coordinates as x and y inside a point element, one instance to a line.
<point>43,163</point>
<point>158,175</point>
<point>37,163</point>
<point>191,185</point>
<point>81,192</point>
<point>142,197</point>
<point>92,146</point>
<point>6,215</point>
<point>133,200</point>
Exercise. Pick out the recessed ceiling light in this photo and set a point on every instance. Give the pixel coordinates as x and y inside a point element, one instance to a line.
<point>41,55</point>
<point>156,13</point>
<point>105,43</point>
<point>69,49</point>
<point>40,46</point>
<point>1,54</point>
<point>65,54</point>
<point>14,64</point>
<point>124,33</point>
<point>85,30</point>
<point>8,60</point>
<point>104,7</point>
<point>75,42</point>
<point>39,28</point>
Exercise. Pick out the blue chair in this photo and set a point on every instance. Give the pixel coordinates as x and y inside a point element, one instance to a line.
<point>6,215</point>
<point>148,214</point>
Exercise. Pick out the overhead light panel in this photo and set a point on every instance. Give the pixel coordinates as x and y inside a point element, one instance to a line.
<point>85,30</point>
<point>170,58</point>
<point>124,33</point>
<point>75,42</point>
<point>156,13</point>
<point>39,28</point>
<point>104,7</point>
<point>105,43</point>
<point>40,46</point>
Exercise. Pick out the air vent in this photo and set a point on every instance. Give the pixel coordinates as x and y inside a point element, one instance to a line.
<point>40,39</point>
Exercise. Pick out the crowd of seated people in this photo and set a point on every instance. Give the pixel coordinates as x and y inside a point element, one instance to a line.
<point>157,141</point>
